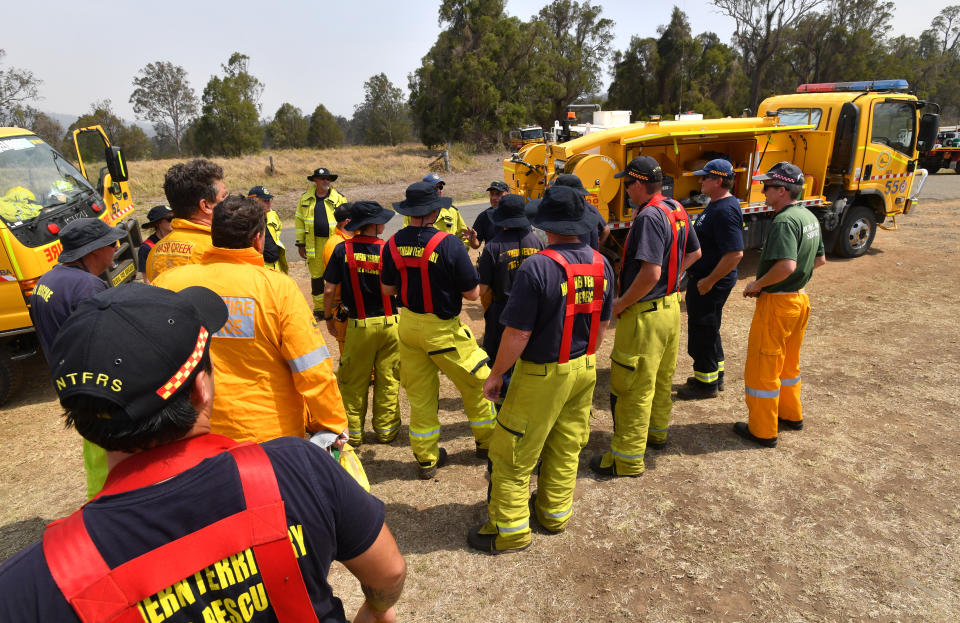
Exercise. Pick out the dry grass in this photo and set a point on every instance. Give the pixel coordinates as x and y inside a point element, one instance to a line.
<point>855,518</point>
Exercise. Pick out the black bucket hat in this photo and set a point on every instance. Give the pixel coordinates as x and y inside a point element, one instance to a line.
<point>571,181</point>
<point>422,199</point>
<point>563,211</point>
<point>157,214</point>
<point>363,213</point>
<point>510,212</point>
<point>323,173</point>
<point>136,345</point>
<point>85,235</point>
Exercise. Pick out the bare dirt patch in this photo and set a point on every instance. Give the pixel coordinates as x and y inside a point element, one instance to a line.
<point>855,518</point>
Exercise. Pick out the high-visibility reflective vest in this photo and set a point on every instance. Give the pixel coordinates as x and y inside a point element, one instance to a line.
<point>572,308</point>
<point>98,593</point>
<point>422,263</point>
<point>355,266</point>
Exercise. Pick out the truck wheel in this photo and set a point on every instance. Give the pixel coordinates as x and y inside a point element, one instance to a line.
<point>857,232</point>
<point>11,373</point>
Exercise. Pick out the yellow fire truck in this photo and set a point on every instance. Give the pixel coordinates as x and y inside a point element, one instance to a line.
<point>40,192</point>
<point>857,143</point>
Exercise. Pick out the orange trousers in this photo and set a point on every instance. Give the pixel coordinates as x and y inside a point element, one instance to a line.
<point>772,373</point>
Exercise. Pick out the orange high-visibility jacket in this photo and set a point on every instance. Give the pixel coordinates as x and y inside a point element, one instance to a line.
<point>176,248</point>
<point>273,374</point>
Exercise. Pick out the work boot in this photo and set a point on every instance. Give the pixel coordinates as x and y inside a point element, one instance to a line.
<point>610,471</point>
<point>695,390</point>
<point>693,379</point>
<point>428,471</point>
<point>743,430</point>
<point>482,452</point>
<point>536,520</point>
<point>791,424</point>
<point>487,543</point>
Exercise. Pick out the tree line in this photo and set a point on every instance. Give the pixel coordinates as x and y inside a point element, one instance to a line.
<point>489,72</point>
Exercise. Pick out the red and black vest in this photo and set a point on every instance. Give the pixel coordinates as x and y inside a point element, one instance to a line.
<point>354,264</point>
<point>421,263</point>
<point>99,593</point>
<point>572,308</point>
<point>679,229</point>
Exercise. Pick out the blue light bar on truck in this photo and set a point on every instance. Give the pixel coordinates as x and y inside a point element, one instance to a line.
<point>863,85</point>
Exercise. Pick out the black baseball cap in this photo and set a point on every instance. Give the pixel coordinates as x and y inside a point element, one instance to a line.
<point>322,173</point>
<point>363,213</point>
<point>157,214</point>
<point>498,186</point>
<point>260,193</point>
<point>781,174</point>
<point>644,169</point>
<point>571,181</point>
<point>135,345</point>
<point>422,199</point>
<point>718,167</point>
<point>510,212</point>
<point>563,211</point>
<point>86,235</point>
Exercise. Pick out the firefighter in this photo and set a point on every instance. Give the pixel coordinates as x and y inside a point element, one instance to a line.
<point>158,219</point>
<point>238,529</point>
<point>793,249</point>
<point>193,189</point>
<point>597,236</point>
<point>499,261</point>
<point>314,221</point>
<point>269,356</point>
<point>483,229</point>
<point>432,273</point>
<point>372,342</point>
<point>711,278</point>
<point>659,247</point>
<point>556,316</point>
<point>449,220</point>
<point>274,253</point>
<point>333,312</point>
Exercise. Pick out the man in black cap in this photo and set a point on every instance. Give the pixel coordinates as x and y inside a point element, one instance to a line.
<point>555,318</point>
<point>659,247</point>
<point>233,528</point>
<point>314,221</point>
<point>499,262</point>
<point>432,273</point>
<point>597,236</point>
<point>371,342</point>
<point>483,229</point>
<point>720,232</point>
<point>158,219</point>
<point>274,253</point>
<point>791,252</point>
<point>88,248</point>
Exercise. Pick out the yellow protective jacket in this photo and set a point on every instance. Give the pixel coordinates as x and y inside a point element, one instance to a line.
<point>176,248</point>
<point>272,371</point>
<point>303,220</point>
<point>274,227</point>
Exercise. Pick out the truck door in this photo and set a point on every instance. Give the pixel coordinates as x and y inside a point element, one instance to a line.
<point>889,149</point>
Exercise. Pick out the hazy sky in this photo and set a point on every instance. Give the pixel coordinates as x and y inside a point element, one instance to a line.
<point>305,53</point>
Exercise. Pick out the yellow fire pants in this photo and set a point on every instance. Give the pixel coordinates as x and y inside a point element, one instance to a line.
<point>316,266</point>
<point>95,465</point>
<point>371,344</point>
<point>429,344</point>
<point>546,414</point>
<point>642,363</point>
<point>772,372</point>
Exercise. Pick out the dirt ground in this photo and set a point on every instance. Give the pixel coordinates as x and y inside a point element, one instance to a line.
<point>855,518</point>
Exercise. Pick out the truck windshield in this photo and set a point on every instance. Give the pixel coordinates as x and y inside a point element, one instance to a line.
<point>893,125</point>
<point>800,116</point>
<point>34,178</point>
<point>531,134</point>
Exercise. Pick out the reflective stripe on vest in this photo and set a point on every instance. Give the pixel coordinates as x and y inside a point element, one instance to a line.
<point>354,265</point>
<point>99,593</point>
<point>678,219</point>
<point>422,263</point>
<point>573,308</point>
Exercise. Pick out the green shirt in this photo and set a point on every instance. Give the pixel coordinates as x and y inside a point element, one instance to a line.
<point>794,235</point>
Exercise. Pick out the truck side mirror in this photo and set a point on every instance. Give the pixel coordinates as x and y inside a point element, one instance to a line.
<point>927,136</point>
<point>116,164</point>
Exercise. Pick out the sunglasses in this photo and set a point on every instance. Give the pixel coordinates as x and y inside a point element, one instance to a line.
<point>767,187</point>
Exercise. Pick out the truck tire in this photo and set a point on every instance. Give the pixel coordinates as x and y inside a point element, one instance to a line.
<point>856,232</point>
<point>11,373</point>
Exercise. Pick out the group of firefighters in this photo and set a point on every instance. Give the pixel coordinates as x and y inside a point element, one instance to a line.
<point>548,295</point>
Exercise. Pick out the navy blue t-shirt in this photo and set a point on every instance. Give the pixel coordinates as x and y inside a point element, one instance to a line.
<point>56,296</point>
<point>450,269</point>
<point>650,240</point>
<point>483,225</point>
<point>145,251</point>
<point>321,224</point>
<point>592,238</point>
<point>329,517</point>
<point>538,303</point>
<point>338,271</point>
<point>720,231</point>
<point>502,256</point>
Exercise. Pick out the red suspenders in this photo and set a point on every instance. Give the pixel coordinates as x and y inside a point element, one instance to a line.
<point>98,593</point>
<point>573,308</point>
<point>678,220</point>
<point>422,262</point>
<point>354,264</point>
